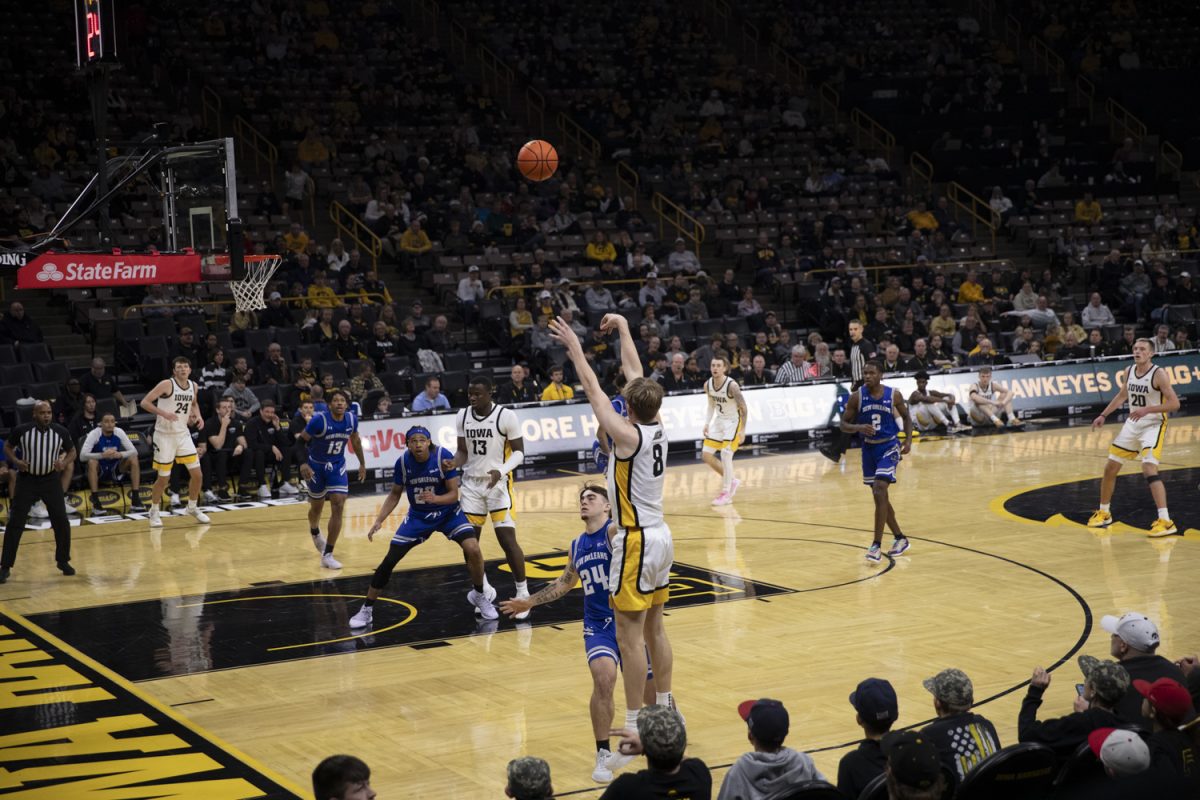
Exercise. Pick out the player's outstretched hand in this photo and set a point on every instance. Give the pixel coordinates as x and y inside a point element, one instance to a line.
<point>515,605</point>
<point>561,332</point>
<point>613,322</point>
<point>494,477</point>
<point>448,464</point>
<point>630,744</point>
<point>1098,422</point>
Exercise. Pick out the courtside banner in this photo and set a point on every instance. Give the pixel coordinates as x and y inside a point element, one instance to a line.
<point>76,270</point>
<point>565,431</point>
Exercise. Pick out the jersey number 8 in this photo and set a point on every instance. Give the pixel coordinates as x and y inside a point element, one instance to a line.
<point>657,453</point>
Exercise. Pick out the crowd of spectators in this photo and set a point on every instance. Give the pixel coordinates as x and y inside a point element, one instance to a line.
<point>1131,732</point>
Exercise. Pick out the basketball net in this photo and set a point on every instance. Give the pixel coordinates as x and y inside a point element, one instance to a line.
<point>248,293</point>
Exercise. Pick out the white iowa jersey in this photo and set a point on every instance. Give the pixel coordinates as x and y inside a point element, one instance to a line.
<point>988,393</point>
<point>726,407</point>
<point>635,484</point>
<point>487,439</point>
<point>1141,390</point>
<point>179,402</point>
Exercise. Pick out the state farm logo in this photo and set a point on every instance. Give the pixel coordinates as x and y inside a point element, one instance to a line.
<point>50,272</point>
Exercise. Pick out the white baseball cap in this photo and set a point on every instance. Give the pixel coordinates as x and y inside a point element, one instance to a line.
<point>1121,751</point>
<point>1135,629</point>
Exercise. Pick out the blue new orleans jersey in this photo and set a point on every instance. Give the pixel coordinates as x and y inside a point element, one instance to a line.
<point>879,413</point>
<point>108,467</point>
<point>600,457</point>
<point>591,556</point>
<point>330,438</point>
<point>419,476</point>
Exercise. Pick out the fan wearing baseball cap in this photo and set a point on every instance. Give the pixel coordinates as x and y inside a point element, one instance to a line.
<point>1134,642</point>
<point>771,770</point>
<point>963,738</point>
<point>876,710</point>
<point>1105,683</point>
<point>1172,753</point>
<point>914,767</point>
<point>662,737</point>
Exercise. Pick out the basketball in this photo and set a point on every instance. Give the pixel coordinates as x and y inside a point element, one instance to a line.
<point>538,160</point>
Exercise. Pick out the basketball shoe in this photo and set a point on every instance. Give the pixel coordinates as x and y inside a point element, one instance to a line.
<point>155,517</point>
<point>364,617</point>
<point>602,773</point>
<point>201,517</point>
<point>874,552</point>
<point>1163,527</point>
<point>1100,519</point>
<point>483,606</point>
<point>723,499</point>
<point>329,562</point>
<point>899,545</point>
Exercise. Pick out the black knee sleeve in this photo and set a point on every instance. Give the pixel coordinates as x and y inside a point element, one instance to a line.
<point>384,571</point>
<point>1152,479</point>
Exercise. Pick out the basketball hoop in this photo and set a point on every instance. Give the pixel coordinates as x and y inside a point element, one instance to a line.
<point>248,293</point>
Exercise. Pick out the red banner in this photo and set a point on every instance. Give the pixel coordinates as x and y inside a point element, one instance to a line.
<point>75,270</point>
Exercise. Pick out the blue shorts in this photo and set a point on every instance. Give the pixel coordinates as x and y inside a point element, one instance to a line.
<point>327,478</point>
<point>110,470</point>
<point>420,525</point>
<point>600,639</point>
<point>879,461</point>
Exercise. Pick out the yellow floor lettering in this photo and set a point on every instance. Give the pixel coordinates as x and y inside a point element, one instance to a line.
<point>130,779</point>
<point>88,738</point>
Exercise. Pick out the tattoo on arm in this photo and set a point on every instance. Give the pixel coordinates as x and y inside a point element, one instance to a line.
<point>561,586</point>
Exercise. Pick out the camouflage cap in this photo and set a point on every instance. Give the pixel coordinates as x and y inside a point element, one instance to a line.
<point>529,778</point>
<point>1109,678</point>
<point>662,733</point>
<point>952,687</point>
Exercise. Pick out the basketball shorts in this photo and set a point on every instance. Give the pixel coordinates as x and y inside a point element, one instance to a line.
<point>1141,438</point>
<point>722,435</point>
<point>328,478</point>
<point>174,448</point>
<point>420,525</point>
<point>981,414</point>
<point>925,416</point>
<point>110,470</point>
<point>600,639</point>
<point>479,502</point>
<point>879,461</point>
<point>641,564</point>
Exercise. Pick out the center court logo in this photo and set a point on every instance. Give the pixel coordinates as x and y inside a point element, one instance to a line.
<point>50,273</point>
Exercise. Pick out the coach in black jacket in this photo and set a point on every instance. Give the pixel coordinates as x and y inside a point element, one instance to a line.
<point>265,446</point>
<point>1105,684</point>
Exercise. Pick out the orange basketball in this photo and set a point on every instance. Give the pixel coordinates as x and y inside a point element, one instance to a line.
<point>538,160</point>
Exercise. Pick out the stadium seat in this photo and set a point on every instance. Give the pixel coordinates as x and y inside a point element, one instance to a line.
<point>266,391</point>
<point>394,365</point>
<point>44,391</point>
<point>1019,770</point>
<point>707,327</point>
<point>7,354</point>
<point>257,342</point>
<point>457,360</point>
<point>303,351</point>
<point>161,326</point>
<point>51,371</point>
<point>875,790</point>
<point>335,368</point>
<point>16,375</point>
<point>1082,767</point>
<point>454,386</point>
<point>287,338</point>
<point>35,353</point>
<point>814,790</point>
<point>396,385</point>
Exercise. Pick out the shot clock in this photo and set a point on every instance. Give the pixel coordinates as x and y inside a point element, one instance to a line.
<point>95,39</point>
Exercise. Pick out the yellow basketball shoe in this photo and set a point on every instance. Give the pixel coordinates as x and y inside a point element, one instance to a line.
<point>1162,527</point>
<point>1100,519</point>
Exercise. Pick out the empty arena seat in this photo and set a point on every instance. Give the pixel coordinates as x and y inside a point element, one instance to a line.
<point>51,371</point>
<point>35,353</point>
<point>876,789</point>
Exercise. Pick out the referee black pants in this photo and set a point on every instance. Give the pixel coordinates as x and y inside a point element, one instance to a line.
<point>30,489</point>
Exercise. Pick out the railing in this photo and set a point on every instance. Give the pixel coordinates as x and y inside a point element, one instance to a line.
<point>868,130</point>
<point>1046,60</point>
<point>532,287</point>
<point>1012,34</point>
<point>977,209</point>
<point>428,13</point>
<point>750,38</point>
<point>210,109</point>
<point>1086,91</point>
<point>1170,160</point>
<point>1123,123</point>
<point>922,170</point>
<point>249,139</point>
<point>580,141</point>
<point>349,226</point>
<point>628,182</point>
<point>720,12</point>
<point>792,71</point>
<point>371,297</point>
<point>685,225</point>
<point>497,76</point>
<point>458,41</point>
<point>829,100</point>
<point>535,110</point>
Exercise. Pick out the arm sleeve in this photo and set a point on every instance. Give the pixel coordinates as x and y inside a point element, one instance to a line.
<point>89,444</point>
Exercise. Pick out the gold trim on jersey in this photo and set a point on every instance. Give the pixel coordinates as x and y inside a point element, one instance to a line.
<point>628,595</point>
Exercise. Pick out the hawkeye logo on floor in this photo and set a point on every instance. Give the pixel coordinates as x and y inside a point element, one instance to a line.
<point>70,730</point>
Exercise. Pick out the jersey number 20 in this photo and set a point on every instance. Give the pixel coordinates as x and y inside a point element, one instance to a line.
<point>1137,401</point>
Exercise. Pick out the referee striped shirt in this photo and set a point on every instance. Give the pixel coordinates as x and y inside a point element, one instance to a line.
<point>860,351</point>
<point>40,448</point>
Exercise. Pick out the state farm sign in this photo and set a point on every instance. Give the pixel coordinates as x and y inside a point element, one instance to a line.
<point>74,270</point>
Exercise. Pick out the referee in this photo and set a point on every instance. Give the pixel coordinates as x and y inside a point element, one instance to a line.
<point>47,450</point>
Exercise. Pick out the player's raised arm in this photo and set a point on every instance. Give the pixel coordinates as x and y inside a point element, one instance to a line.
<point>149,403</point>
<point>631,362</point>
<point>617,427</point>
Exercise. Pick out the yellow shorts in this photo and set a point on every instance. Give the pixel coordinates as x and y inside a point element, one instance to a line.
<point>641,566</point>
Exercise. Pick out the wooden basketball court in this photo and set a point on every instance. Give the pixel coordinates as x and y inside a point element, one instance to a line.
<point>238,629</point>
